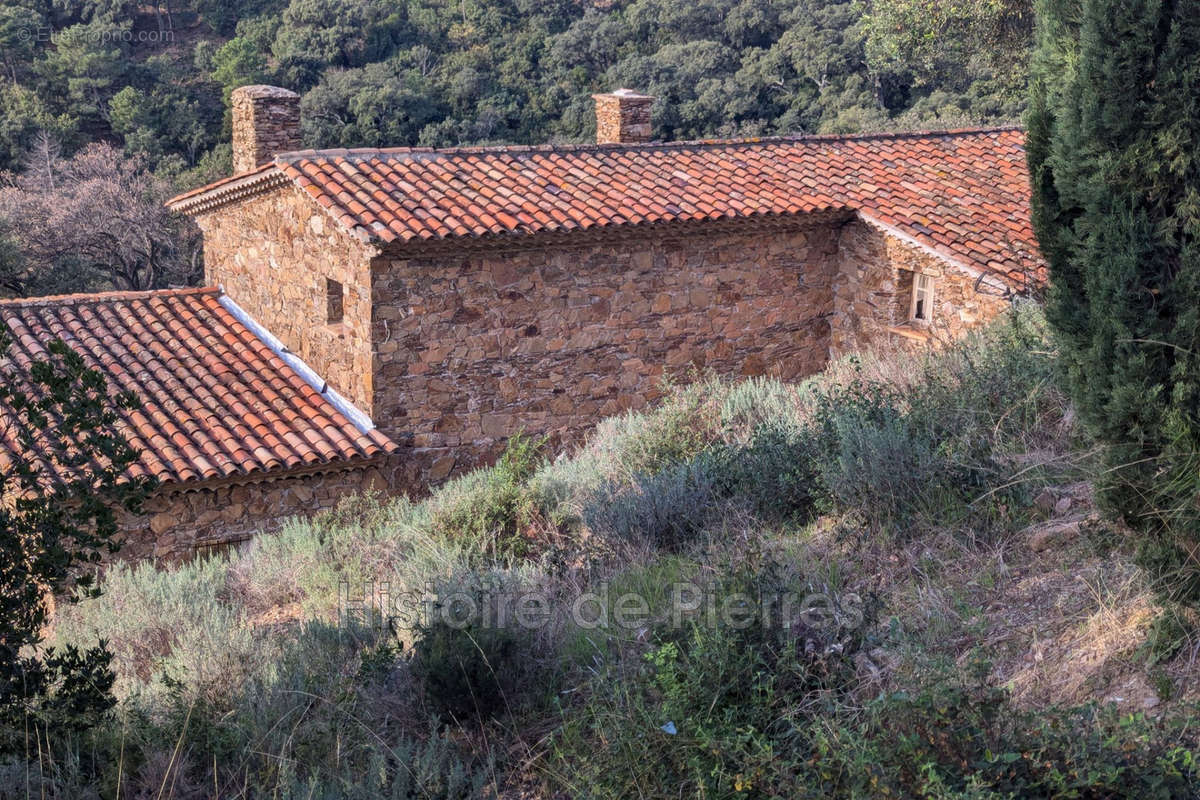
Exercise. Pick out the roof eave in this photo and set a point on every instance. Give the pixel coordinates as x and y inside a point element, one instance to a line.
<point>228,191</point>
<point>172,486</point>
<point>983,277</point>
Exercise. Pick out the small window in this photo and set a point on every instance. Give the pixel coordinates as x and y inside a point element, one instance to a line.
<point>922,298</point>
<point>334,302</point>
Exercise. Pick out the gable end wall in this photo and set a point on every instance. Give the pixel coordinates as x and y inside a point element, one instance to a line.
<point>874,286</point>
<point>272,253</point>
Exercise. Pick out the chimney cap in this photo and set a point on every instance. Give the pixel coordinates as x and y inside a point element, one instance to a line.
<point>258,91</point>
<point>628,94</point>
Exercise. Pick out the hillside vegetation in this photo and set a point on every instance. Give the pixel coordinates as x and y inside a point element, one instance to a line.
<point>157,77</point>
<point>969,626</point>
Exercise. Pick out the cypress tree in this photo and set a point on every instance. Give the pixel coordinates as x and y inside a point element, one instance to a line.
<point>1114,156</point>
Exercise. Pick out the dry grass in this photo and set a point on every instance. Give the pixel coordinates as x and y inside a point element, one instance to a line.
<point>1067,625</point>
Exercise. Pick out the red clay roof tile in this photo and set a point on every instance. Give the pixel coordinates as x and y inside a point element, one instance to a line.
<point>216,401</point>
<point>963,193</point>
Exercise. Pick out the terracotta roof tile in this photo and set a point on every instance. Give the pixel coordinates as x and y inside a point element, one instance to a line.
<point>963,193</point>
<point>216,400</point>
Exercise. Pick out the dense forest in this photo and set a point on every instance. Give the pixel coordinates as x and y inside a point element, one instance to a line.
<point>146,87</point>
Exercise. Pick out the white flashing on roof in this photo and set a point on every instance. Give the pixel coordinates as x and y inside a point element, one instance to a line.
<point>348,409</point>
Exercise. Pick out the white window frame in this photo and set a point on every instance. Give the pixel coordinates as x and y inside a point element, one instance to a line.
<point>922,284</point>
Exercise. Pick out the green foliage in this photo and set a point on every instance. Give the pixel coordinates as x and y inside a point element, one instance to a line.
<point>748,719</point>
<point>492,506</point>
<point>952,44</point>
<point>432,769</point>
<point>24,115</point>
<point>231,671</point>
<point>1114,112</point>
<point>665,510</point>
<point>933,442</point>
<point>12,262</point>
<point>376,73</point>
<point>155,80</point>
<point>465,668</point>
<point>86,65</point>
<point>774,473</point>
<point>963,739</point>
<point>938,445</point>
<point>53,531</point>
<point>715,710</point>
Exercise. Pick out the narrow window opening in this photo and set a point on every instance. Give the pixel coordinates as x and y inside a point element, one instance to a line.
<point>334,302</point>
<point>922,298</point>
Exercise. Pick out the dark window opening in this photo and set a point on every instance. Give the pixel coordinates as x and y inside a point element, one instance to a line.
<point>334,302</point>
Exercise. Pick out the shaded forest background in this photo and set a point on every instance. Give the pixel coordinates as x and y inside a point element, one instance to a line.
<point>109,106</point>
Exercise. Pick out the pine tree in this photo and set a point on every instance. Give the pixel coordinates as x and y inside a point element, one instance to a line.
<point>1114,154</point>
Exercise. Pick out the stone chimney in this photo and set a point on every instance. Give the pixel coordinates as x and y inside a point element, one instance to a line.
<point>622,117</point>
<point>266,121</point>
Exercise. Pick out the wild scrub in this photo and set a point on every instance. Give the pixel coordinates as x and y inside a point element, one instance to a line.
<point>491,507</point>
<point>244,664</point>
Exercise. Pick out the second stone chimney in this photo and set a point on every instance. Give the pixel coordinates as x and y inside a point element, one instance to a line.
<point>622,117</point>
<point>266,121</point>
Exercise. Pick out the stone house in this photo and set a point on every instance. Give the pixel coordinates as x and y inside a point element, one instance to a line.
<point>459,295</point>
<point>401,312</point>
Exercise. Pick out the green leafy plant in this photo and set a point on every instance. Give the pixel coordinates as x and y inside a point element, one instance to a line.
<point>493,506</point>
<point>1114,96</point>
<point>62,489</point>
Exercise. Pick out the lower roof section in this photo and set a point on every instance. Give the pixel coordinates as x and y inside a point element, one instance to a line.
<point>219,398</point>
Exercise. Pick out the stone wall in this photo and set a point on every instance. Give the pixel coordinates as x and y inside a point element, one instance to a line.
<point>874,289</point>
<point>179,524</point>
<point>454,347</point>
<point>475,346</point>
<point>273,254</point>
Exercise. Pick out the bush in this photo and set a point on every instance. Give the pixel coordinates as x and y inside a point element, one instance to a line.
<point>492,506</point>
<point>955,740</point>
<point>714,710</point>
<point>936,442</point>
<point>1114,208</point>
<point>664,511</point>
<point>774,473</point>
<point>622,450</point>
<point>698,490</point>
<point>179,623</point>
<point>676,432</point>
<point>433,769</point>
<point>878,459</point>
<point>464,669</point>
<point>723,714</point>
<point>472,656</point>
